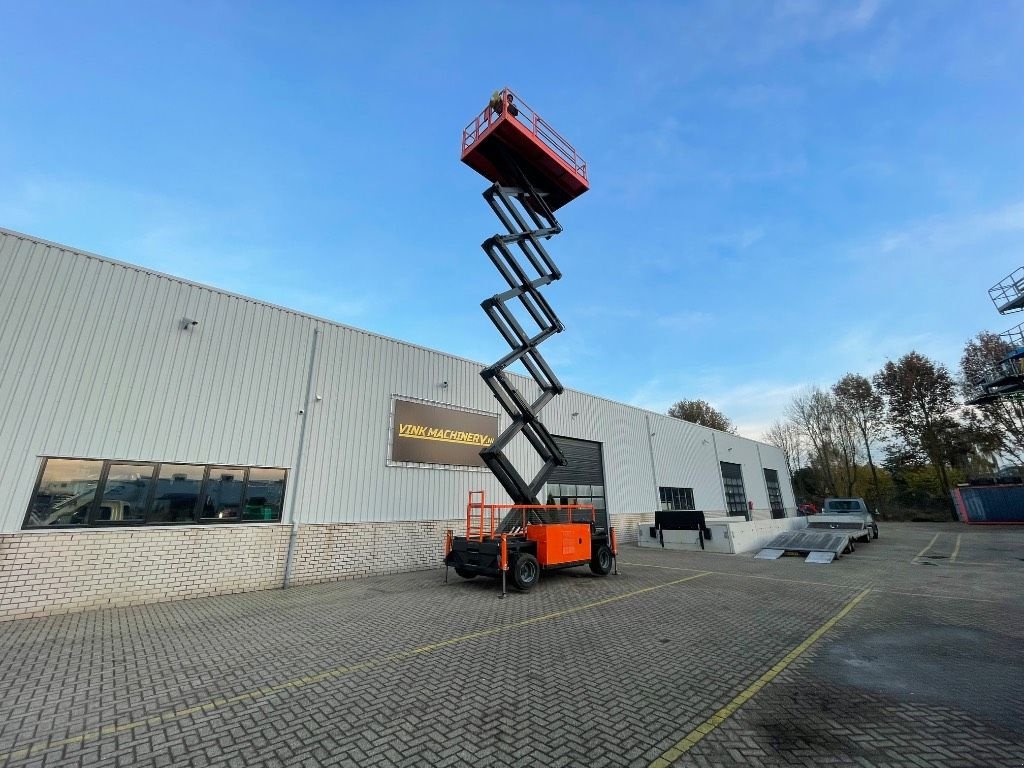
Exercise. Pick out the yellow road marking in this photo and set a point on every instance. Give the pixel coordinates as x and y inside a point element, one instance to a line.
<point>930,545</point>
<point>956,549</point>
<point>263,692</point>
<point>691,739</point>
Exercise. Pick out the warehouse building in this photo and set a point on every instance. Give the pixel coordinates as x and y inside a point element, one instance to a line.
<point>161,439</point>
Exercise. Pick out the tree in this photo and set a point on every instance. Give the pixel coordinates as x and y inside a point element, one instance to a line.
<point>703,413</point>
<point>832,437</point>
<point>865,407</point>
<point>1003,418</point>
<point>918,395</point>
<point>785,436</point>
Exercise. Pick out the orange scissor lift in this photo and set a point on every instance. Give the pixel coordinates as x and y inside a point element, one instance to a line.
<point>533,171</point>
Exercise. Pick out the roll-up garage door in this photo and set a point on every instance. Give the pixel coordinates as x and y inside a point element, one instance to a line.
<point>583,462</point>
<point>581,480</point>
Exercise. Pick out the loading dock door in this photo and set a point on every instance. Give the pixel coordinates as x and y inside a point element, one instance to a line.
<point>581,480</point>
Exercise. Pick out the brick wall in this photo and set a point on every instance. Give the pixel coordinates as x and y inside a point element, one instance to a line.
<point>333,551</point>
<point>626,525</point>
<point>61,571</point>
<point>48,572</point>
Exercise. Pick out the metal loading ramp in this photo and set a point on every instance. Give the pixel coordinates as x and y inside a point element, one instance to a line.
<point>819,546</point>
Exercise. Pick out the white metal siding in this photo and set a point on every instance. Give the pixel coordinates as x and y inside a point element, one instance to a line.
<point>97,365</point>
<point>685,458</point>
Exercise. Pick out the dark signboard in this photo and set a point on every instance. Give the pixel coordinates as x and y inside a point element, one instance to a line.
<point>435,434</point>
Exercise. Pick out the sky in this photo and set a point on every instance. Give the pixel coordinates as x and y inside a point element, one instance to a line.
<point>781,193</point>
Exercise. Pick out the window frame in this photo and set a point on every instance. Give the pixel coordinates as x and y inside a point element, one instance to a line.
<point>158,468</point>
<point>206,490</point>
<point>741,507</point>
<point>777,494</point>
<point>101,490</point>
<point>194,519</point>
<point>680,493</point>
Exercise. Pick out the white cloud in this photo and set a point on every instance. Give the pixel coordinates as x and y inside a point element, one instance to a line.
<point>943,234</point>
<point>751,405</point>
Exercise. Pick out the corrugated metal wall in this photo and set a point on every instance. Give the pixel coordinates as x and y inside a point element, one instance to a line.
<point>97,365</point>
<point>685,457</point>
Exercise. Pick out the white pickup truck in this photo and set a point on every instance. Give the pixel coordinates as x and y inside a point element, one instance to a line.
<point>846,515</point>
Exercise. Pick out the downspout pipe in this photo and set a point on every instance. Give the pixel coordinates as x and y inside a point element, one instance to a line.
<point>304,414</point>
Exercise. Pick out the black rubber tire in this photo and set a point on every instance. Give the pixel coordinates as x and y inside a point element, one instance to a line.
<point>601,560</point>
<point>525,572</point>
<point>876,533</point>
<point>466,574</point>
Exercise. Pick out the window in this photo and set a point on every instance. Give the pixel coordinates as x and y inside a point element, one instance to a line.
<point>65,493</point>
<point>577,494</point>
<point>843,505</point>
<point>84,492</point>
<point>673,499</point>
<point>735,493</point>
<point>177,494</point>
<point>264,495</point>
<point>224,494</point>
<point>771,481</point>
<point>126,491</point>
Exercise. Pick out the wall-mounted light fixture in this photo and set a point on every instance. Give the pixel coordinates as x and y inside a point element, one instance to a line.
<point>574,414</point>
<point>443,385</point>
<point>187,323</point>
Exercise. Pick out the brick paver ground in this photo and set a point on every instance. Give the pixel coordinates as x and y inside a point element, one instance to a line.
<point>403,670</point>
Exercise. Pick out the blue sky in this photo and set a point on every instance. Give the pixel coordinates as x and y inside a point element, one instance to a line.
<point>781,192</point>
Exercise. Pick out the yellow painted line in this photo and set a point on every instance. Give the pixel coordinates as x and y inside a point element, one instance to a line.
<point>263,692</point>
<point>690,740</point>
<point>956,549</point>
<point>930,545</point>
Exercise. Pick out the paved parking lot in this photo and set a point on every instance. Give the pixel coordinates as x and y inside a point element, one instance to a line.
<point>905,653</point>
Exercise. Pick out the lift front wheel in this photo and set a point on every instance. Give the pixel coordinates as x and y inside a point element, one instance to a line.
<point>601,561</point>
<point>465,574</point>
<point>525,571</point>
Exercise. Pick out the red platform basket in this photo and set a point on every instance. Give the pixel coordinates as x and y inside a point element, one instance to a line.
<point>507,126</point>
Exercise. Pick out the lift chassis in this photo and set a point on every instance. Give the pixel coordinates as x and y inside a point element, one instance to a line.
<point>533,172</point>
<point>517,542</point>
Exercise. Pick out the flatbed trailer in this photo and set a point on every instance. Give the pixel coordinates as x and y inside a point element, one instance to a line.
<point>811,543</point>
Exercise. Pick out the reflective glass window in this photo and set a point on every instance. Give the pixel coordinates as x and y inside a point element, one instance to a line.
<point>81,492</point>
<point>177,493</point>
<point>66,491</point>
<point>264,496</point>
<point>223,494</point>
<point>126,493</point>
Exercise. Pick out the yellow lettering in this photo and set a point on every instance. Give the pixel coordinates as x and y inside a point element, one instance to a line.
<point>444,435</point>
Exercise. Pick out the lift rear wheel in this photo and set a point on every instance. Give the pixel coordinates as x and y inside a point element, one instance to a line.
<point>466,574</point>
<point>601,560</point>
<point>525,571</point>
